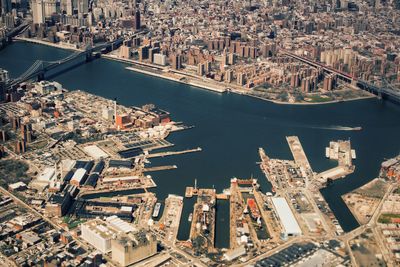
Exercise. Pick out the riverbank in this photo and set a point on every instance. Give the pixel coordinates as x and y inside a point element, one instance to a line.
<point>311,103</point>
<point>165,75</point>
<point>55,45</point>
<point>185,79</point>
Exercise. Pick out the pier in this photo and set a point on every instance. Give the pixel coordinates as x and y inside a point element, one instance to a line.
<point>298,153</point>
<point>342,152</point>
<point>172,153</point>
<point>160,168</point>
<point>191,191</point>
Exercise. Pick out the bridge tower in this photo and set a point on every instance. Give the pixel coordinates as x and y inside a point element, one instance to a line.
<point>40,76</point>
<point>379,94</point>
<point>89,56</point>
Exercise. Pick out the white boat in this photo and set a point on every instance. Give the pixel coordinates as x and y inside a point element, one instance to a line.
<point>156,210</point>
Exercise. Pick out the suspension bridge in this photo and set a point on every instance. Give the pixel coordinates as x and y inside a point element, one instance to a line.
<point>384,91</point>
<point>40,67</point>
<point>14,32</point>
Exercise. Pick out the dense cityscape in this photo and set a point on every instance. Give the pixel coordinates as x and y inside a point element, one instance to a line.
<point>107,178</point>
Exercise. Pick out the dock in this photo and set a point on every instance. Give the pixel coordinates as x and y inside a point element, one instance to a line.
<point>189,192</point>
<point>203,221</point>
<point>222,196</point>
<point>335,173</point>
<point>160,168</point>
<point>172,153</point>
<point>170,219</point>
<point>341,151</point>
<point>298,153</point>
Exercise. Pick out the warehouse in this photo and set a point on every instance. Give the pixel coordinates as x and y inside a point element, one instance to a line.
<point>95,152</point>
<point>79,177</point>
<point>286,217</point>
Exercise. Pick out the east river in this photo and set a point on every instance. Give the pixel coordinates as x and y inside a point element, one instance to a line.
<point>230,128</point>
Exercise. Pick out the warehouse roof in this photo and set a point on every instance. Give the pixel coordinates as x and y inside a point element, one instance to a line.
<point>285,214</point>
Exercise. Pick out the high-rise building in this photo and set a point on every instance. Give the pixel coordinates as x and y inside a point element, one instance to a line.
<point>125,52</point>
<point>137,20</point>
<point>67,7</point>
<point>224,60</point>
<point>240,78</point>
<point>37,7</point>
<point>208,66</point>
<point>229,76</point>
<point>160,59</point>
<point>4,79</point>
<point>50,7</point>
<point>176,61</point>
<point>83,6</point>
<point>201,69</point>
<point>143,52</point>
<point>231,59</point>
<point>5,7</point>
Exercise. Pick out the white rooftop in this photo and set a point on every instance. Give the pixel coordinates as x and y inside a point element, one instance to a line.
<point>285,214</point>
<point>95,152</point>
<point>119,224</point>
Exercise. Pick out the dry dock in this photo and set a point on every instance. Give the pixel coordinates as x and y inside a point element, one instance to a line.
<point>169,222</point>
<point>203,222</point>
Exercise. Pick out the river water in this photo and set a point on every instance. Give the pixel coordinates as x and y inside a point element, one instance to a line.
<point>230,128</point>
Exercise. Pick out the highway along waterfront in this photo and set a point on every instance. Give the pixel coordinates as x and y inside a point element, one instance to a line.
<point>230,128</point>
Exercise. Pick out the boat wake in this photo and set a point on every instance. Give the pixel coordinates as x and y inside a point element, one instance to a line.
<point>337,128</point>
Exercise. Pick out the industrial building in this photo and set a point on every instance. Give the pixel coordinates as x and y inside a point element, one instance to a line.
<point>95,152</point>
<point>130,248</point>
<point>288,221</point>
<point>127,244</point>
<point>59,203</point>
<point>99,234</point>
<point>79,177</point>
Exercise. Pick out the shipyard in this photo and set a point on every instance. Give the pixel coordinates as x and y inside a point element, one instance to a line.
<point>97,183</point>
<point>113,155</point>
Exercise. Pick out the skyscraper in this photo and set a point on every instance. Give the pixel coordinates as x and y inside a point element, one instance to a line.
<point>137,20</point>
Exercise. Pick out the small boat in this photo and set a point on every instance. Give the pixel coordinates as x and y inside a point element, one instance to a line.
<point>190,217</point>
<point>156,210</point>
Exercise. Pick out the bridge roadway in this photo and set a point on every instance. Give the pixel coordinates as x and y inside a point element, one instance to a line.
<point>365,85</point>
<point>14,32</point>
<point>40,67</point>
